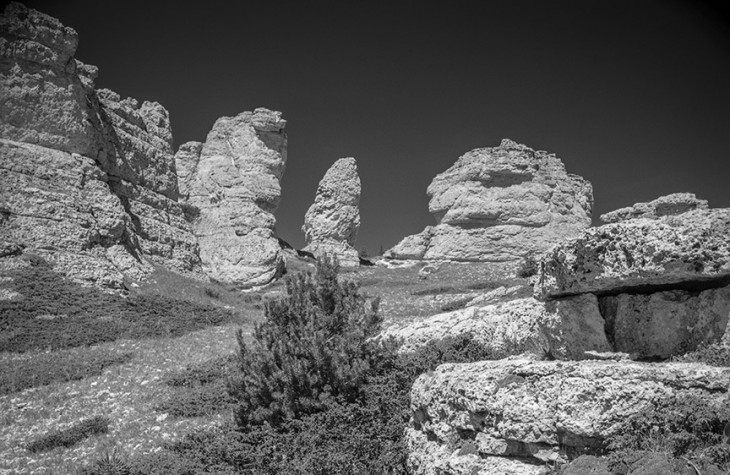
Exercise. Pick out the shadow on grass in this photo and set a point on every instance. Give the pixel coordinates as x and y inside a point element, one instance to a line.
<point>56,313</point>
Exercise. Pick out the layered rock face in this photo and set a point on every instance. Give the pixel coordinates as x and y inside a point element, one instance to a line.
<point>500,204</point>
<point>87,180</point>
<point>232,181</point>
<point>563,330</point>
<point>512,416</point>
<point>662,282</point>
<point>332,222</point>
<point>669,205</point>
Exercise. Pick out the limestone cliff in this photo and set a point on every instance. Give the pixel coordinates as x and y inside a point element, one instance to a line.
<point>87,180</point>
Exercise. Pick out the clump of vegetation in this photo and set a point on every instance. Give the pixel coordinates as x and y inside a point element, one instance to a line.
<point>200,390</point>
<point>110,463</point>
<point>313,346</point>
<point>57,313</point>
<point>528,267</point>
<point>690,427</point>
<point>71,436</point>
<point>190,212</point>
<point>713,355</point>
<point>47,368</point>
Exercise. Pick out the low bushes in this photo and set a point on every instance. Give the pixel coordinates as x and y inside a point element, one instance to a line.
<point>71,436</point>
<point>56,313</point>
<point>46,368</point>
<point>201,390</point>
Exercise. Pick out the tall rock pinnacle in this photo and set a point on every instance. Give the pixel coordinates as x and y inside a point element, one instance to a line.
<point>332,222</point>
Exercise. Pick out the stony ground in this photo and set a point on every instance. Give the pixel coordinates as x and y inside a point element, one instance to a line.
<point>128,393</point>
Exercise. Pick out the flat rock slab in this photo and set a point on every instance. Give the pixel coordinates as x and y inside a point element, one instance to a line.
<point>537,411</point>
<point>564,329</point>
<point>674,252</point>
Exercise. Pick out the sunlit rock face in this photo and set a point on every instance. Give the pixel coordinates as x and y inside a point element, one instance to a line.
<point>87,179</point>
<point>233,182</point>
<point>500,204</point>
<point>332,222</point>
<point>515,416</point>
<point>662,279</point>
<point>669,205</point>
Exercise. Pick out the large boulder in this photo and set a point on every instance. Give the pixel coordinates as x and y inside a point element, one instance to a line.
<point>87,179</point>
<point>500,204</point>
<point>563,330</point>
<point>691,249</point>
<point>332,222</point>
<point>669,205</point>
<point>469,418</point>
<point>232,183</point>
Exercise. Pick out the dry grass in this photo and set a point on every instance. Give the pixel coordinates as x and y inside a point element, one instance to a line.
<point>126,394</point>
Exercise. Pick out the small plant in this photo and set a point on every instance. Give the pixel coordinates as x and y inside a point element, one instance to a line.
<point>109,463</point>
<point>190,212</point>
<point>528,267</point>
<point>212,293</point>
<point>71,436</point>
<point>314,345</point>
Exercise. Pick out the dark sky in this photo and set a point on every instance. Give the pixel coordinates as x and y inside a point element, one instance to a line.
<point>632,95</point>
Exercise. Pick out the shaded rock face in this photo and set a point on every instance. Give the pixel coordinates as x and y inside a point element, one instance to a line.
<point>332,222</point>
<point>232,180</point>
<point>500,204</point>
<point>669,205</point>
<point>662,282</point>
<point>87,180</point>
<point>526,413</point>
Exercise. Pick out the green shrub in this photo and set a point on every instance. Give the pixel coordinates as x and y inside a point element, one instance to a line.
<point>190,212</point>
<point>46,368</point>
<point>71,436</point>
<point>313,345</point>
<point>363,436</point>
<point>683,426</point>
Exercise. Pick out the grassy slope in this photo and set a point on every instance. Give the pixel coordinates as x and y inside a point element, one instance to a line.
<point>125,374</point>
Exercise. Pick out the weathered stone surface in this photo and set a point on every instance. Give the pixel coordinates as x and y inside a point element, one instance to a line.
<point>542,410</point>
<point>640,254</point>
<point>87,179</point>
<point>234,183</point>
<point>500,204</point>
<point>564,329</point>
<point>669,205</point>
<point>664,324</point>
<point>332,222</point>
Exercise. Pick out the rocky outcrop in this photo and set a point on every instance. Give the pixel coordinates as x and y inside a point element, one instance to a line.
<point>563,330</point>
<point>662,282</point>
<point>517,414</point>
<point>669,205</point>
<point>332,222</point>
<point>500,204</point>
<point>232,183</point>
<point>87,179</point>
<point>640,254</point>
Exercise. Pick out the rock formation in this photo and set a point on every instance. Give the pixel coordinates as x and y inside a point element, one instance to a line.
<point>669,205</point>
<point>332,222</point>
<point>500,204</point>
<point>563,330</point>
<point>87,180</point>
<point>512,416</point>
<point>232,183</point>
<point>662,280</point>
